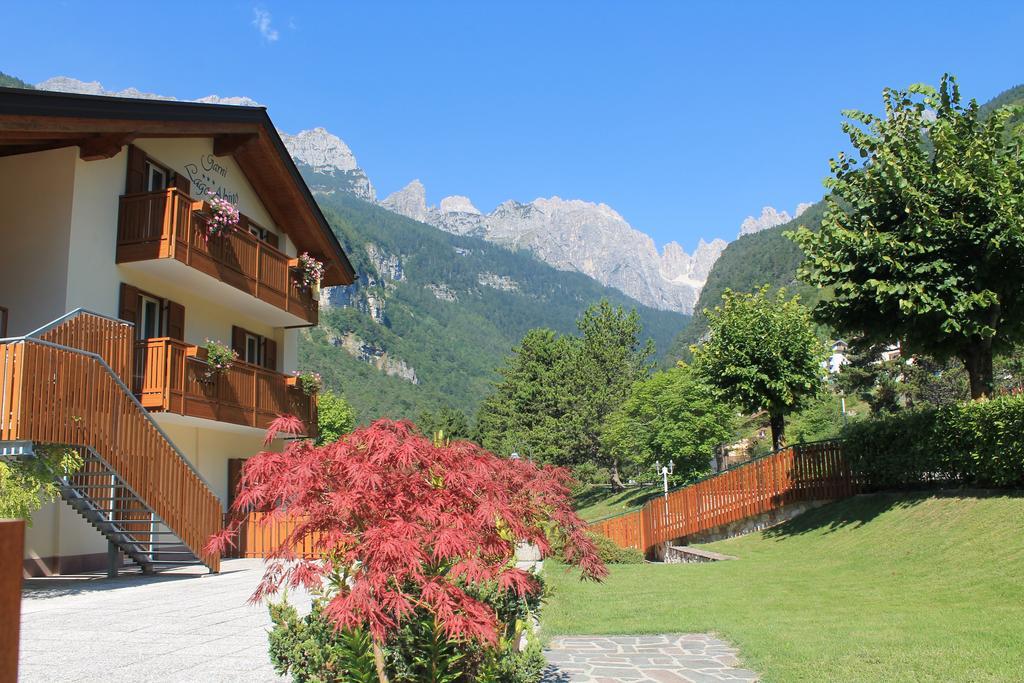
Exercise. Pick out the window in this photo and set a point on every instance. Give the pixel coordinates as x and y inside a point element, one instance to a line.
<point>261,233</point>
<point>253,349</point>
<point>156,177</point>
<point>151,319</point>
<point>153,316</point>
<point>3,321</point>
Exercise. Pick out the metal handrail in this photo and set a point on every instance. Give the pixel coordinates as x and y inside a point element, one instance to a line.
<point>68,316</point>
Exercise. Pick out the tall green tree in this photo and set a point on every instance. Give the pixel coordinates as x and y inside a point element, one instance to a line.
<point>25,485</point>
<point>556,390</point>
<point>923,237</point>
<point>671,415</point>
<point>530,410</point>
<point>450,423</point>
<point>610,361</point>
<point>762,353</point>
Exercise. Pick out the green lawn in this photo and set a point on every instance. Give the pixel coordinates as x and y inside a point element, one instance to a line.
<point>598,502</point>
<point>875,588</point>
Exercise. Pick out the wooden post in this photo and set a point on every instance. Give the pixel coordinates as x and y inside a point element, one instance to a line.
<point>12,547</point>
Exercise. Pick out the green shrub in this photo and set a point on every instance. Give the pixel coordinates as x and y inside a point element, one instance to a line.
<point>607,550</point>
<point>610,553</point>
<point>976,443</point>
<point>311,650</point>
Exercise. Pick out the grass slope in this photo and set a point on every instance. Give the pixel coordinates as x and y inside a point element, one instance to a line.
<point>884,587</point>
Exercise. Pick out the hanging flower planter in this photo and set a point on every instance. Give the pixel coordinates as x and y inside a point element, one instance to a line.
<point>219,358</point>
<point>308,273</point>
<point>223,217</point>
<point>309,382</point>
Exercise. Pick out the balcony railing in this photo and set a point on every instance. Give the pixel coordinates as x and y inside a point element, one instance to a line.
<point>170,224</point>
<point>172,376</point>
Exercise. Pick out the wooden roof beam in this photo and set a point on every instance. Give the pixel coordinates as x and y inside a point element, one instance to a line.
<point>98,147</point>
<point>228,145</point>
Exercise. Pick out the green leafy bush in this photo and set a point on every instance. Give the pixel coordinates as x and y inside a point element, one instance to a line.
<point>976,443</point>
<point>311,650</point>
<point>608,551</point>
<point>26,484</point>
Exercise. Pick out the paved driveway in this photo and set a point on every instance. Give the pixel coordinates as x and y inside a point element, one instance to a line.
<point>178,627</point>
<point>186,626</point>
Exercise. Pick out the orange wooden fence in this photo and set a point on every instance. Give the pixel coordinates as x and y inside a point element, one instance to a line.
<point>258,536</point>
<point>51,394</point>
<point>806,472</point>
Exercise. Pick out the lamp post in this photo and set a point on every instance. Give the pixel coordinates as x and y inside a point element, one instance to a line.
<point>665,471</point>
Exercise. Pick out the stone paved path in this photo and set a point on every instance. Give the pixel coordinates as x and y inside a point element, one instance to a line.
<point>678,658</point>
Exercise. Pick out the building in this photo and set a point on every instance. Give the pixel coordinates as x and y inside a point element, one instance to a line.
<point>113,277</point>
<point>838,356</point>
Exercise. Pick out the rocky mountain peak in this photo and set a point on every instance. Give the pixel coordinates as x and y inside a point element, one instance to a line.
<point>321,150</point>
<point>410,201</point>
<point>458,204</point>
<point>769,218</point>
<point>75,86</point>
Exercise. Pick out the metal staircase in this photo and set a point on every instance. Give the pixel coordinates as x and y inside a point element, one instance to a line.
<point>106,502</point>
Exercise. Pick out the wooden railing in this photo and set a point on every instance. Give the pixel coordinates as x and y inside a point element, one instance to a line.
<point>109,339</point>
<point>807,472</point>
<point>170,224</point>
<point>55,394</point>
<point>173,376</point>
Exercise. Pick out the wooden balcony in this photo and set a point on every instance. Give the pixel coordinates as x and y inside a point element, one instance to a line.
<point>171,225</point>
<point>173,377</point>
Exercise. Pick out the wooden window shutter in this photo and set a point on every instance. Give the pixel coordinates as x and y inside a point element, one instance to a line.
<point>238,340</point>
<point>129,306</point>
<point>182,183</point>
<point>272,240</point>
<point>269,354</point>
<point>136,178</point>
<point>175,321</point>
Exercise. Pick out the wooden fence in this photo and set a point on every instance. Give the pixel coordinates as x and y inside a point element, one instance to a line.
<point>258,536</point>
<point>806,472</point>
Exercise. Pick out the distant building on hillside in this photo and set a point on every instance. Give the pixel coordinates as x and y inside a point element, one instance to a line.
<point>838,359</point>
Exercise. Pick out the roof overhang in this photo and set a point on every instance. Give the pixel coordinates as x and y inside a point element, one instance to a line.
<point>36,120</point>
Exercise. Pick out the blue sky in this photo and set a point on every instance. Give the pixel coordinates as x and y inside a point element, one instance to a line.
<point>684,117</point>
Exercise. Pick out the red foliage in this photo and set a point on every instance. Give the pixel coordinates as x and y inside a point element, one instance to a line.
<point>411,520</point>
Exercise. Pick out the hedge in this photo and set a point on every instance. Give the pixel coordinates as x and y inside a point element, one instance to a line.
<point>978,443</point>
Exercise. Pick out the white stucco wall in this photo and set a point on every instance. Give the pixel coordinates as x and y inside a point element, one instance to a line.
<point>36,193</point>
<point>92,277</point>
<point>210,449</point>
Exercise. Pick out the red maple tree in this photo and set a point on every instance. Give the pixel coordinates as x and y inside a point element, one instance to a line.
<point>411,522</point>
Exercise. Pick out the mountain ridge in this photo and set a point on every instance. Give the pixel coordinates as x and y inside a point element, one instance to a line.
<point>569,234</point>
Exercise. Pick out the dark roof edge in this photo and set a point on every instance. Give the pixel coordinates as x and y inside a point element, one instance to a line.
<point>25,102</point>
